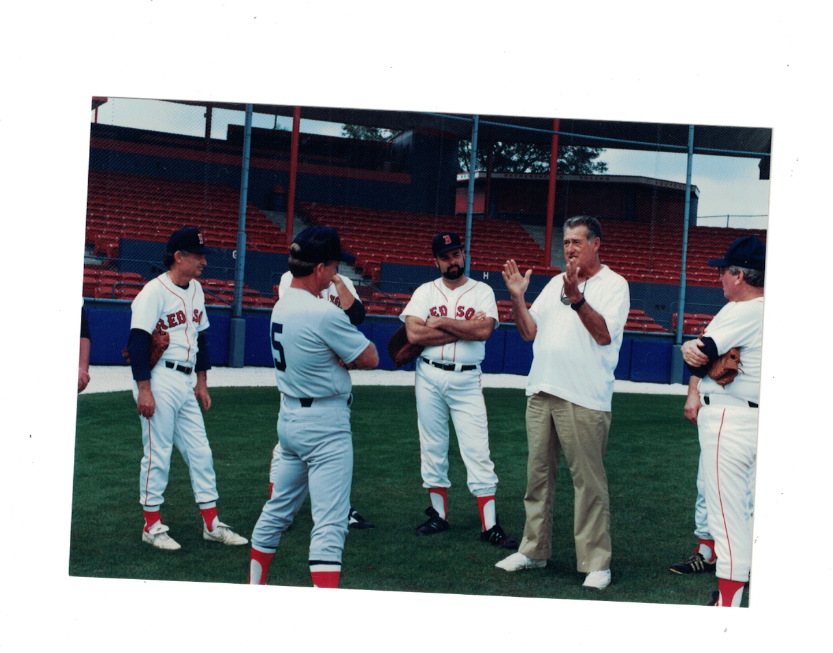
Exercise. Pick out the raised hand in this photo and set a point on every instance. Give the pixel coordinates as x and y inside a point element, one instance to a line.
<point>516,283</point>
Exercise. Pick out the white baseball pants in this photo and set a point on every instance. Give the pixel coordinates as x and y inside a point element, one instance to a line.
<point>438,394</point>
<point>177,422</point>
<point>728,441</point>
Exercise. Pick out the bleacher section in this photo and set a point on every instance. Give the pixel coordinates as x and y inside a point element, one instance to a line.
<point>122,205</point>
<point>375,237</point>
<point>639,320</point>
<point>649,254</point>
<point>109,284</point>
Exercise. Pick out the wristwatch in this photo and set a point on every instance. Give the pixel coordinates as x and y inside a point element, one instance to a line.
<point>578,305</point>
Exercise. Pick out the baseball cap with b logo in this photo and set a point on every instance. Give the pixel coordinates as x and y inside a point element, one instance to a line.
<point>187,239</point>
<point>445,242</point>
<point>744,252</point>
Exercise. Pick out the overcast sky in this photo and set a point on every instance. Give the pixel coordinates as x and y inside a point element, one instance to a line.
<point>728,186</point>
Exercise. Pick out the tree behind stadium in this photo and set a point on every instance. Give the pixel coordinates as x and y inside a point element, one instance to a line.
<point>507,157</point>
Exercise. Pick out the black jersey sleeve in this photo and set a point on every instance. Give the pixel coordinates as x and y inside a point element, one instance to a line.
<point>203,357</point>
<point>138,346</point>
<point>356,313</point>
<point>709,348</point>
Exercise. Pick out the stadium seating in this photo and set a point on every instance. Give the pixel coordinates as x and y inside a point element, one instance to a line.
<point>639,320</point>
<point>123,205</point>
<point>377,237</point>
<point>101,283</point>
<point>646,253</point>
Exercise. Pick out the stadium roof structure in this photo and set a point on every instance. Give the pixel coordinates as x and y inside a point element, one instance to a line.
<point>753,142</point>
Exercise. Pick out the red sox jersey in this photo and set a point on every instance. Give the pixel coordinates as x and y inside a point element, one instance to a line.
<point>435,298</point>
<point>180,312</point>
<point>330,294</point>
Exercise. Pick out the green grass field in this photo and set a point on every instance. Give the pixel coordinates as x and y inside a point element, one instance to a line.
<point>651,464</point>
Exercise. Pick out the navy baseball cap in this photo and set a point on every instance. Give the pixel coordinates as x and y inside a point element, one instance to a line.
<point>746,252</point>
<point>445,242</point>
<point>319,245</point>
<point>187,239</point>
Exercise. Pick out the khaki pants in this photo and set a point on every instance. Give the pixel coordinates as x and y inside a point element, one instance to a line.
<point>553,425</point>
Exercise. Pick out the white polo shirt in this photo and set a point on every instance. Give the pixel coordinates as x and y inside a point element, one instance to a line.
<point>567,362</point>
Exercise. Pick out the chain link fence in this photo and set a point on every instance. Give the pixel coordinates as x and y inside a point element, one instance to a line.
<point>156,166</point>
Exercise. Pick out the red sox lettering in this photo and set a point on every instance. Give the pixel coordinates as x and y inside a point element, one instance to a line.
<point>461,312</point>
<point>175,319</point>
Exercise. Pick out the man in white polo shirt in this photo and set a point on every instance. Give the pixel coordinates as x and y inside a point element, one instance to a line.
<point>576,324</point>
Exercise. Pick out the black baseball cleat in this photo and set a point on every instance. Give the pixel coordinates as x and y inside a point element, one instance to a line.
<point>355,520</point>
<point>496,537</point>
<point>435,524</point>
<point>715,599</point>
<point>696,564</point>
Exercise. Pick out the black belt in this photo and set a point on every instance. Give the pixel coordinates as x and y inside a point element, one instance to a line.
<point>449,367</point>
<point>752,404</point>
<point>306,402</point>
<point>179,368</point>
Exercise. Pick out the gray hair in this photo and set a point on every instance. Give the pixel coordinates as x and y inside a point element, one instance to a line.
<point>594,229</point>
<point>754,278</point>
<point>168,258</point>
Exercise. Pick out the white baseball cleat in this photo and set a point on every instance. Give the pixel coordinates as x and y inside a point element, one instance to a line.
<point>518,561</point>
<point>223,534</point>
<point>597,580</point>
<point>158,537</point>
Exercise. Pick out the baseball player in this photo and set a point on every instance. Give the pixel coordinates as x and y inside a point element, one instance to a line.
<point>166,396</point>
<point>84,352</point>
<point>313,345</point>
<point>342,293</point>
<point>452,317</point>
<point>704,558</point>
<point>727,420</point>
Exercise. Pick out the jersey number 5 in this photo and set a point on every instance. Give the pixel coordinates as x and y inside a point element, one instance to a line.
<point>277,347</point>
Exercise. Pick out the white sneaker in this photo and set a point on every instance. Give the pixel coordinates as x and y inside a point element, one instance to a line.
<point>223,534</point>
<point>158,537</point>
<point>518,561</point>
<point>597,580</point>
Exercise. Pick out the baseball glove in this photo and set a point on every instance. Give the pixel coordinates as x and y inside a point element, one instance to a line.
<point>726,368</point>
<point>159,341</point>
<point>401,351</point>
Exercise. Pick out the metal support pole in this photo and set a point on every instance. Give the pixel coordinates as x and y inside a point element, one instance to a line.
<point>490,159</point>
<point>208,116</point>
<point>676,359</point>
<point>237,336</point>
<point>556,124</point>
<point>293,174</point>
<point>472,170</point>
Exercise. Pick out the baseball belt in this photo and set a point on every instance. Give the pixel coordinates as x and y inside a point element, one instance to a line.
<point>306,402</point>
<point>179,368</point>
<point>450,367</point>
<point>726,400</point>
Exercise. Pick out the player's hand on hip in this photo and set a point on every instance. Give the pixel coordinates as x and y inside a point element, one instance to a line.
<point>692,407</point>
<point>83,379</point>
<point>146,404</point>
<point>692,354</point>
<point>516,283</point>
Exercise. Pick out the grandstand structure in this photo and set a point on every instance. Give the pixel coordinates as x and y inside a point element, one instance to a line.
<point>387,199</point>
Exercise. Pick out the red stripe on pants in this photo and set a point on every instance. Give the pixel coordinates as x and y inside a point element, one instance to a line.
<point>719,496</point>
